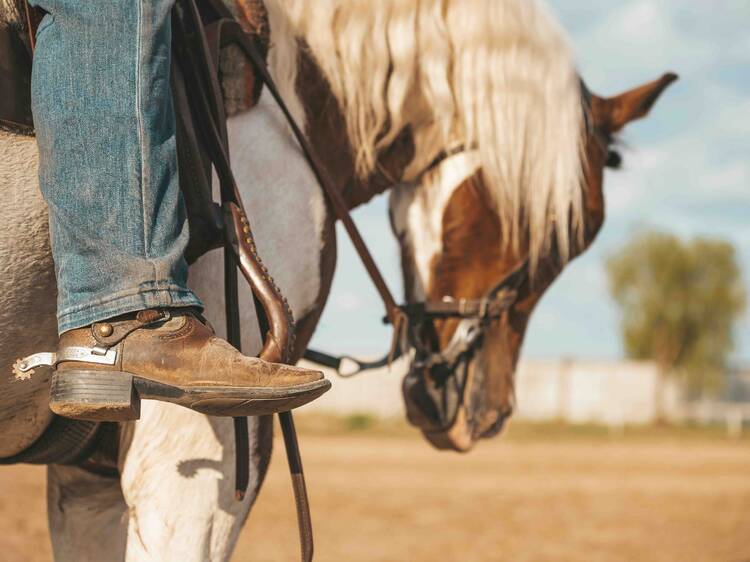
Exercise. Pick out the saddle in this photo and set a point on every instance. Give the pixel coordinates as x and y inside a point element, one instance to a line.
<point>218,46</point>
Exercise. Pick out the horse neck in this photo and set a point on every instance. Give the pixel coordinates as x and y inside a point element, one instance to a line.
<point>326,131</point>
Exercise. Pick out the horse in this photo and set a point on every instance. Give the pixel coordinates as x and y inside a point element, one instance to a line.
<point>471,114</point>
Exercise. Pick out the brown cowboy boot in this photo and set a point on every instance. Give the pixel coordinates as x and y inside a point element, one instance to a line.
<point>104,370</point>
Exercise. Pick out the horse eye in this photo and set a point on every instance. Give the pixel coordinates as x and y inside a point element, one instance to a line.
<point>614,160</point>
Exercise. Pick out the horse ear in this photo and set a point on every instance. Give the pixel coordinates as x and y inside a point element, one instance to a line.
<point>620,110</point>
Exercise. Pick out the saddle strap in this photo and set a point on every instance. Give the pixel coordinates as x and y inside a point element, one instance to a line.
<point>15,80</point>
<point>33,19</point>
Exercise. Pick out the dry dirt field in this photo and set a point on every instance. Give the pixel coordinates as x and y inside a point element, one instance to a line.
<point>531,496</point>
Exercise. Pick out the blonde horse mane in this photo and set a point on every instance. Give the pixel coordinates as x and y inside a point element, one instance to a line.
<point>497,75</point>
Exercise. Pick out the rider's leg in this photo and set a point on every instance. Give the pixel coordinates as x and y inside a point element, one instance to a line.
<point>108,170</point>
<point>108,163</point>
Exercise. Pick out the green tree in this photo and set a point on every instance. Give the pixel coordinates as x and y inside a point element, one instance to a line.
<point>679,303</point>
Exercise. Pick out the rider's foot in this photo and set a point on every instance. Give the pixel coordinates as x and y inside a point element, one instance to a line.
<point>105,369</point>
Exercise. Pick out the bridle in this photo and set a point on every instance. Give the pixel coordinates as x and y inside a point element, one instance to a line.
<point>475,317</point>
<point>436,378</point>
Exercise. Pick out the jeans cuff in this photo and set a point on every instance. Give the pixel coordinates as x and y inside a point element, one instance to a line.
<point>172,297</point>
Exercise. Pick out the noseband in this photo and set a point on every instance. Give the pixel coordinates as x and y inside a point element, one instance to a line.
<point>475,315</point>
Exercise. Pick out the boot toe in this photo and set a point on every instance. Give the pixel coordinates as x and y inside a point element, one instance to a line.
<point>297,375</point>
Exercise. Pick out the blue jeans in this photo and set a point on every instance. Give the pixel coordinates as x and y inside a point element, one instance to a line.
<point>107,158</point>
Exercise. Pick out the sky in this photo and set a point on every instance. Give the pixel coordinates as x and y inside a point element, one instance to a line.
<point>686,170</point>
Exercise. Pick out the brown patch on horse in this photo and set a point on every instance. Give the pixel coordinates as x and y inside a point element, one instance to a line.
<point>327,130</point>
<point>474,257</point>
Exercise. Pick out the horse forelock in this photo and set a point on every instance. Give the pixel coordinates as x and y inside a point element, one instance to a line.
<point>498,75</point>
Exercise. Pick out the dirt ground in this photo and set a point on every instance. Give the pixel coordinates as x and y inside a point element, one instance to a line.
<point>389,497</point>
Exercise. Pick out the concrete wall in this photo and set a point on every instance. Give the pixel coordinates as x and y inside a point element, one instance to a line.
<point>612,393</point>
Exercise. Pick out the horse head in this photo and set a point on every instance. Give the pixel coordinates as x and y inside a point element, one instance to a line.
<point>453,247</point>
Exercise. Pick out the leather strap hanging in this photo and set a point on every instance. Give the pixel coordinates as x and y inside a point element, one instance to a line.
<point>273,310</point>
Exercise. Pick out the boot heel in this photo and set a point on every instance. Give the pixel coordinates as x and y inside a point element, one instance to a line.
<point>94,395</point>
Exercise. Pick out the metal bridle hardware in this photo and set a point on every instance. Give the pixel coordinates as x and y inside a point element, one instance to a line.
<point>464,340</point>
<point>476,316</point>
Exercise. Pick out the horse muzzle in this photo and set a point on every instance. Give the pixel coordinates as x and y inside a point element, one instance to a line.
<point>452,408</point>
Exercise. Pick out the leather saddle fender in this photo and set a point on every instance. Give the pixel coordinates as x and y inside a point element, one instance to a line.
<point>15,77</point>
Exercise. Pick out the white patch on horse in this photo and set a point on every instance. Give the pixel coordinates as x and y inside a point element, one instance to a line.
<point>287,213</point>
<point>179,485</point>
<point>417,214</point>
